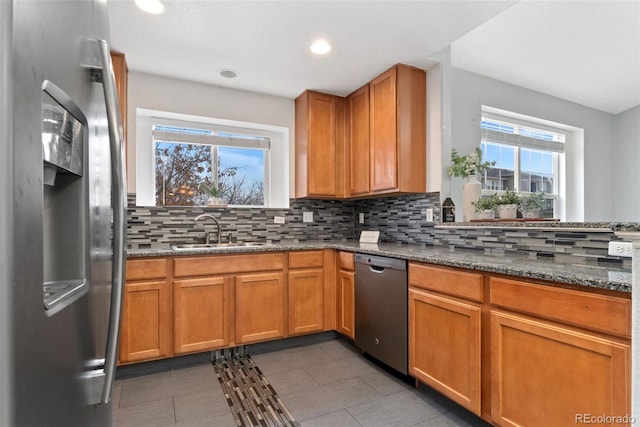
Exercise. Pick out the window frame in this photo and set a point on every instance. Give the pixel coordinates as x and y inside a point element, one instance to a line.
<point>556,148</point>
<point>276,180</point>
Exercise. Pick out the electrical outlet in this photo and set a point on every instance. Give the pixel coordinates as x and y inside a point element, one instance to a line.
<point>428,213</point>
<point>624,249</point>
<point>278,220</point>
<point>621,277</point>
<point>307,216</point>
<point>361,217</point>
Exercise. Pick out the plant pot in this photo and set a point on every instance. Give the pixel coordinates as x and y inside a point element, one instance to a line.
<point>471,191</point>
<point>486,214</point>
<point>507,211</point>
<point>531,214</point>
<point>213,201</point>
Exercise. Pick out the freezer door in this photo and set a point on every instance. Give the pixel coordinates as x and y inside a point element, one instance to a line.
<point>50,356</point>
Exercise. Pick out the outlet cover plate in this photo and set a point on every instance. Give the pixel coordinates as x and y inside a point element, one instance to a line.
<point>428,214</point>
<point>278,220</point>
<point>624,249</point>
<point>307,216</point>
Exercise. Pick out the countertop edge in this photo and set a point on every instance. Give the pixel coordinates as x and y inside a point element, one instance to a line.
<point>534,268</point>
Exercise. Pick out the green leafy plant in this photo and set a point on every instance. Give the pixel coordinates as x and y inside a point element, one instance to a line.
<point>509,197</point>
<point>486,203</point>
<point>464,166</point>
<point>211,190</point>
<point>532,202</point>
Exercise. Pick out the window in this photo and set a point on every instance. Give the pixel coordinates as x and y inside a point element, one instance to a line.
<point>180,159</point>
<point>189,162</point>
<point>528,158</point>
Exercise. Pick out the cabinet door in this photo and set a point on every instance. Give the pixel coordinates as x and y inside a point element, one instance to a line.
<point>357,110</point>
<point>319,137</point>
<point>383,132</point>
<point>201,314</point>
<point>544,374</point>
<point>444,346</point>
<point>120,70</point>
<point>146,323</point>
<point>306,301</point>
<point>345,303</point>
<point>260,302</point>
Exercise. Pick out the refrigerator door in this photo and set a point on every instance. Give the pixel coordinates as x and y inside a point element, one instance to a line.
<point>60,222</point>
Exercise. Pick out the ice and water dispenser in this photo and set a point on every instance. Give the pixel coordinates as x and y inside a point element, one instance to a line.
<point>65,216</point>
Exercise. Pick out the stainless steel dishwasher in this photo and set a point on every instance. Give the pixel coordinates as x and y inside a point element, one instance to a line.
<point>381,309</point>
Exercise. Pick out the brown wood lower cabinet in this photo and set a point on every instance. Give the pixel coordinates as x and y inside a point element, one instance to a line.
<point>145,332</point>
<point>201,314</point>
<point>444,350</point>
<point>306,290</point>
<point>306,301</point>
<point>445,332</point>
<point>345,295</point>
<point>260,307</point>
<point>545,374</point>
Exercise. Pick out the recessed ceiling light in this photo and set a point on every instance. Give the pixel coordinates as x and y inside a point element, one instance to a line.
<point>320,47</point>
<point>150,6</point>
<point>229,74</point>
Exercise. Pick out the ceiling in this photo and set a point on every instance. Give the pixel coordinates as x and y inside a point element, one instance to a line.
<point>267,43</point>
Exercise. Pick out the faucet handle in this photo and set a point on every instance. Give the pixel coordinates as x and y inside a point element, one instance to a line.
<point>229,238</point>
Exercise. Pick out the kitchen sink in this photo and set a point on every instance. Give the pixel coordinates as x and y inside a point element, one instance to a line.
<point>208,246</point>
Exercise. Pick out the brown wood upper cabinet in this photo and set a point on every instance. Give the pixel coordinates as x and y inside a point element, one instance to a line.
<point>371,143</point>
<point>319,145</point>
<point>120,70</point>
<point>357,110</point>
<point>393,159</point>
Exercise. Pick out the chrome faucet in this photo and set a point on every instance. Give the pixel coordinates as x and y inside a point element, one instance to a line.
<point>207,239</point>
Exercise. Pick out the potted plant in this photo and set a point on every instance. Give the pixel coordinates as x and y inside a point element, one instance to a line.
<point>508,204</point>
<point>531,205</point>
<point>468,166</point>
<point>485,207</point>
<point>213,192</point>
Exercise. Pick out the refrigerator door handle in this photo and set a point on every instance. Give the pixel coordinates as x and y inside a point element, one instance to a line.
<point>119,217</point>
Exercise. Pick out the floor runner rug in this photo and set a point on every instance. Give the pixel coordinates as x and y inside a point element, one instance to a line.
<point>252,400</point>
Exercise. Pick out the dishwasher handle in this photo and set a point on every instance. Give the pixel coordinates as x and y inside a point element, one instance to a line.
<point>380,263</point>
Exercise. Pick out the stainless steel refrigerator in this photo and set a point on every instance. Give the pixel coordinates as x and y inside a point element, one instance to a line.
<point>62,214</point>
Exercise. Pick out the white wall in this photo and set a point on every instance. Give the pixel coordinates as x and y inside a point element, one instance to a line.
<point>148,91</point>
<point>626,206</point>
<point>470,91</point>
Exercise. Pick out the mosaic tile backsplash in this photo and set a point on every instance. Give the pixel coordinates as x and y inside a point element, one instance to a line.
<point>399,219</point>
<point>150,227</point>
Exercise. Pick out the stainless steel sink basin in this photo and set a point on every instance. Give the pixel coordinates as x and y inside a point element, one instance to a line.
<point>208,246</point>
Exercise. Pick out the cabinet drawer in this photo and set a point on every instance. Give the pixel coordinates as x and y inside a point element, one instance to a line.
<point>446,281</point>
<point>346,261</point>
<point>225,264</point>
<point>588,310</point>
<point>306,259</point>
<point>146,269</point>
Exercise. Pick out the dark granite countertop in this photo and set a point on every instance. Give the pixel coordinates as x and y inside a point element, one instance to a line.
<point>611,277</point>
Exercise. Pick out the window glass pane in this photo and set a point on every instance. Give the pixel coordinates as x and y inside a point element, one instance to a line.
<point>501,175</point>
<point>184,171</point>
<point>241,175</point>
<point>536,171</point>
<point>181,169</point>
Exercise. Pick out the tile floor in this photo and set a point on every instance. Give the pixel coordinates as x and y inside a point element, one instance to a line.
<point>324,384</point>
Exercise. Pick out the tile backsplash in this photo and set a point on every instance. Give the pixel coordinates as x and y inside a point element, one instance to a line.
<point>399,219</point>
<point>151,227</point>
